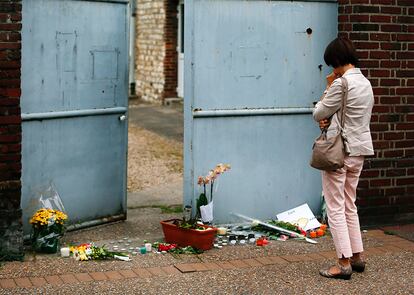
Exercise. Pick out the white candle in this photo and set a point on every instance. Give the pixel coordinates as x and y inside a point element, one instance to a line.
<point>148,247</point>
<point>64,252</point>
<point>222,231</point>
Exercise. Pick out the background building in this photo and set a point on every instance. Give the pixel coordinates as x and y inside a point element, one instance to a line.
<point>159,52</point>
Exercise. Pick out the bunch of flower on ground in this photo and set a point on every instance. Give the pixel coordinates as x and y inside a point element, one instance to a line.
<point>44,217</point>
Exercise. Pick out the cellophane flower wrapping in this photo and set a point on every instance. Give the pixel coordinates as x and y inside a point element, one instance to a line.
<point>48,222</point>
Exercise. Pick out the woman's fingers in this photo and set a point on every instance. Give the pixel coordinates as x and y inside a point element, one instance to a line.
<point>323,124</point>
<point>330,78</point>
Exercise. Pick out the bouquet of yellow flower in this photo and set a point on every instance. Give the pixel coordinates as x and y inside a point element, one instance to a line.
<point>48,226</point>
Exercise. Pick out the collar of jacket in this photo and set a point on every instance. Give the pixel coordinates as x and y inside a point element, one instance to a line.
<point>352,71</point>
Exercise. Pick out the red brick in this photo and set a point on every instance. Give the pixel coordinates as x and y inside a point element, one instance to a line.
<point>366,45</point>
<point>405,37</point>
<point>390,63</point>
<point>359,18</point>
<point>380,18</point>
<point>54,280</point>
<point>328,254</point>
<point>265,260</point>
<point>10,120</point>
<point>405,181</point>
<point>142,272</point>
<point>200,267</point>
<point>211,266</point>
<point>379,54</point>
<point>315,256</point>
<point>405,55</point>
<point>23,282</point>
<point>127,273</point>
<point>379,73</point>
<point>7,283</point>
<point>252,262</point>
<point>238,263</point>
<point>391,28</point>
<point>292,258</point>
<point>225,265</point>
<point>170,270</point>
<point>278,260</point>
<point>83,277</point>
<point>405,73</point>
<point>407,246</point>
<point>405,2</point>
<point>38,282</point>
<point>372,252</point>
<point>379,37</point>
<point>98,276</point>
<point>405,91</point>
<point>390,248</point>
<point>185,267</point>
<point>390,82</point>
<point>113,275</point>
<point>390,10</point>
<point>369,63</point>
<point>359,36</point>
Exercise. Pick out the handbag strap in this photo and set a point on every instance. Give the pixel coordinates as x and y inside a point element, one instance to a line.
<point>344,100</point>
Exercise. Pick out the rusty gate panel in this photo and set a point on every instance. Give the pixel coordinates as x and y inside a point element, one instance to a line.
<point>252,71</point>
<point>74,105</point>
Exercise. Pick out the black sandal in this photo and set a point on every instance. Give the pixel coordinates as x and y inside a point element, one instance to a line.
<point>345,273</point>
<point>358,265</point>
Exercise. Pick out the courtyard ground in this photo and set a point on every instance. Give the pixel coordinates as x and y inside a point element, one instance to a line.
<point>155,190</point>
<point>289,267</point>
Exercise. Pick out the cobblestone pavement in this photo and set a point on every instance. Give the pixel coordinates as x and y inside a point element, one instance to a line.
<point>281,268</point>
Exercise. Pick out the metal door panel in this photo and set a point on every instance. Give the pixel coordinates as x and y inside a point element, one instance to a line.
<point>262,50</point>
<point>251,74</point>
<point>74,55</point>
<point>269,172</point>
<point>85,159</point>
<point>74,92</point>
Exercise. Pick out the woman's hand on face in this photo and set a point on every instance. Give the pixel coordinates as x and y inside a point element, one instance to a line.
<point>330,78</point>
<point>324,124</point>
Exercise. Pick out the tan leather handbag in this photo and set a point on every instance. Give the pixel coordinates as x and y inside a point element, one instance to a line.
<point>329,154</point>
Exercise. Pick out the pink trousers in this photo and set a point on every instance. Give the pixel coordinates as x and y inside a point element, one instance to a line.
<point>339,188</point>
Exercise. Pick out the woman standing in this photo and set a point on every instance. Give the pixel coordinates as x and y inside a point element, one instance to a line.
<point>339,187</point>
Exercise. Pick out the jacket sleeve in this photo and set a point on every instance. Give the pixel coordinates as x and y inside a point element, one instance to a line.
<point>330,103</point>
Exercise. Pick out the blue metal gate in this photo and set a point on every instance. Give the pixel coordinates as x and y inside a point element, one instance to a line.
<point>252,71</point>
<point>74,105</point>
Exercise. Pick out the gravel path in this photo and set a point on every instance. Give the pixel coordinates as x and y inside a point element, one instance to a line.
<point>152,159</point>
<point>386,274</point>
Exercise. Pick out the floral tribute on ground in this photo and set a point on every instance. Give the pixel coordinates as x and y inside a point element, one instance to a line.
<point>89,251</point>
<point>48,226</point>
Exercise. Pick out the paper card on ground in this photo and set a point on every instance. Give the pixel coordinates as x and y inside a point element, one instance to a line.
<point>302,216</point>
<point>207,212</point>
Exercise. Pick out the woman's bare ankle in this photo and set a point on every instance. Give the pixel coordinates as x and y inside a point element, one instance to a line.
<point>345,262</point>
<point>357,256</point>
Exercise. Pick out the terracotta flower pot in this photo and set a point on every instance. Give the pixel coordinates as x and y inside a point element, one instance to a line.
<point>200,239</point>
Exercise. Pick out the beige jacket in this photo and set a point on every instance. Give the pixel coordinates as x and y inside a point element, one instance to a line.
<point>360,101</point>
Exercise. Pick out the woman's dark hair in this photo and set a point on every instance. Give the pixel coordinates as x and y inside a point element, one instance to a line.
<point>340,52</point>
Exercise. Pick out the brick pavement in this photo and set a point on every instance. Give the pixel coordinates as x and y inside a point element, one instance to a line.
<point>391,243</point>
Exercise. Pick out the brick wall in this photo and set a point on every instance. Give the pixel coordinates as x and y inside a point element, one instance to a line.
<point>156,56</point>
<point>171,58</point>
<point>382,31</point>
<point>150,49</point>
<point>11,241</point>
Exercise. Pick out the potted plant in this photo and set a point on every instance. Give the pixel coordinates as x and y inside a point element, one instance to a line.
<point>189,231</point>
